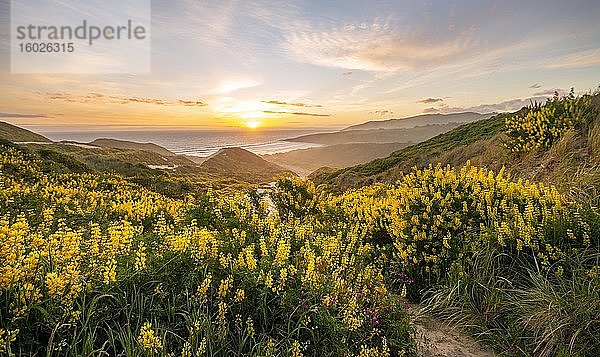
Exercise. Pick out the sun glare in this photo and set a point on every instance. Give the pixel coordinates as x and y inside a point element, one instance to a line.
<point>252,124</point>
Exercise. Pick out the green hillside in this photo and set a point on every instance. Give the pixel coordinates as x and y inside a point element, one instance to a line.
<point>243,165</point>
<point>174,176</point>
<point>419,154</point>
<point>483,143</point>
<point>16,134</point>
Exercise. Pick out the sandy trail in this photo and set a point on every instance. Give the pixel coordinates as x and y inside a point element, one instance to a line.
<point>435,338</point>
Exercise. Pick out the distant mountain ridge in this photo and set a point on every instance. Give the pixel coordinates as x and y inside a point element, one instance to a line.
<point>362,143</point>
<point>17,134</point>
<point>455,147</point>
<point>420,120</point>
<point>400,135</point>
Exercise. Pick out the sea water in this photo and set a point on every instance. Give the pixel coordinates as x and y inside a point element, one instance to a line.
<point>196,142</point>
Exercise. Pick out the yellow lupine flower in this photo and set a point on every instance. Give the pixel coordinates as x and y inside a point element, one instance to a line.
<point>148,339</point>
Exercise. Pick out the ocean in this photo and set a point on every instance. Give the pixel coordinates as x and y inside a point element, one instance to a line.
<point>197,142</point>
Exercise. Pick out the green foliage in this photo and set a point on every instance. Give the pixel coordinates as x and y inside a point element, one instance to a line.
<point>54,161</point>
<point>509,304</point>
<point>543,125</point>
<point>92,264</point>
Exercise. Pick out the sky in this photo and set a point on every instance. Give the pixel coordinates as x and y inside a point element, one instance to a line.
<point>289,64</point>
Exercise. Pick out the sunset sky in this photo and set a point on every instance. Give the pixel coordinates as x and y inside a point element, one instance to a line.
<point>321,64</point>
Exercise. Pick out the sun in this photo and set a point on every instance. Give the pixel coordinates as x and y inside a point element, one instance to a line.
<point>252,124</point>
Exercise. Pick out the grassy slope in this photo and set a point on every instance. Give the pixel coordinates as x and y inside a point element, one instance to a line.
<point>572,164</point>
<point>419,154</point>
<point>243,165</point>
<point>506,301</point>
<point>101,158</point>
<point>132,164</point>
<point>14,133</point>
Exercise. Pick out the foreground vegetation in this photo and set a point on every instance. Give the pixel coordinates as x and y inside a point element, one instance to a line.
<point>93,263</point>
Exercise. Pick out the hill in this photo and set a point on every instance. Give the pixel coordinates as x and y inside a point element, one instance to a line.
<point>402,135</point>
<point>100,158</point>
<point>364,142</point>
<point>123,144</point>
<point>420,120</point>
<point>482,143</point>
<point>388,168</point>
<point>304,161</point>
<point>242,164</point>
<point>16,134</point>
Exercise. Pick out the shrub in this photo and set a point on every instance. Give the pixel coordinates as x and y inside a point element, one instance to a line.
<point>542,125</point>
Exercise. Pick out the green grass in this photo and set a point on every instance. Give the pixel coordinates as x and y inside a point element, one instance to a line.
<point>512,306</point>
<point>14,133</point>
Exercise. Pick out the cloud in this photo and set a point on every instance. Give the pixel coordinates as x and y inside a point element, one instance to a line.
<point>586,58</point>
<point>295,113</point>
<point>378,46</point>
<point>191,103</point>
<point>278,102</point>
<point>18,116</point>
<point>535,86</point>
<point>432,110</point>
<point>111,99</point>
<point>551,92</point>
<point>430,100</point>
<point>505,106</point>
<point>382,112</point>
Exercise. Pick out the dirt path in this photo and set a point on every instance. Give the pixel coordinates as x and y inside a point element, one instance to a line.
<point>437,339</point>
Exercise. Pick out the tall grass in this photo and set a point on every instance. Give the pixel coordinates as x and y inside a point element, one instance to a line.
<point>517,309</point>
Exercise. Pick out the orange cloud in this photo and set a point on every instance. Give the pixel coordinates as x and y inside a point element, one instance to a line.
<point>278,102</point>
<point>111,99</point>
<point>295,113</point>
<point>430,100</point>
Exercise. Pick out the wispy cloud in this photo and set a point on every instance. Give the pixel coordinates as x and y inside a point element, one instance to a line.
<point>111,99</point>
<point>295,113</point>
<point>576,60</point>
<point>382,112</point>
<point>279,102</point>
<point>430,100</point>
<point>504,106</point>
<point>377,46</point>
<point>432,110</point>
<point>551,92</point>
<point>19,116</point>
